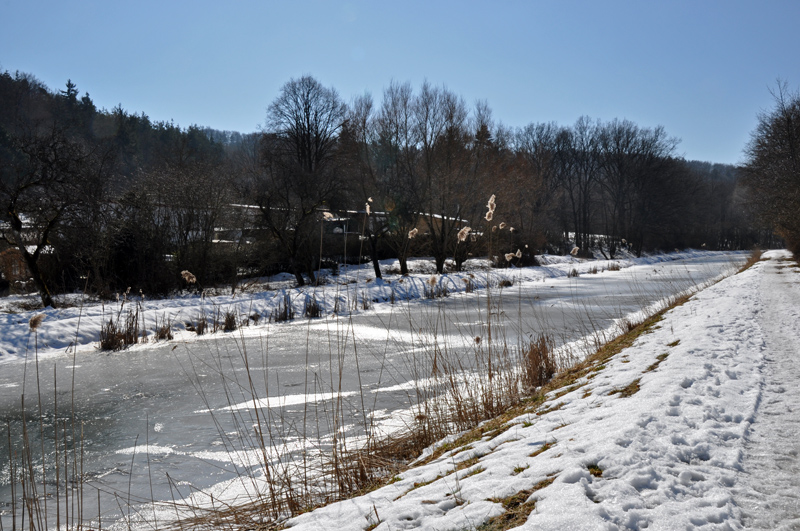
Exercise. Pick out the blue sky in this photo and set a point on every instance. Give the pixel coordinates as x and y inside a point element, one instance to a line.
<point>702,69</point>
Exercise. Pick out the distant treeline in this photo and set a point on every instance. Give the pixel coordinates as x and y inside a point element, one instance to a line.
<point>105,200</point>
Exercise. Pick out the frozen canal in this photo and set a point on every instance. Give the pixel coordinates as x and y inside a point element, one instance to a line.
<point>186,411</point>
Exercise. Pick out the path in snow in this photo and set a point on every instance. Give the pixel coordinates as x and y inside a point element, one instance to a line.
<point>770,493</point>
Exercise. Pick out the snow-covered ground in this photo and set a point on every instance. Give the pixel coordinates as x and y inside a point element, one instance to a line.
<point>77,324</point>
<point>709,437</point>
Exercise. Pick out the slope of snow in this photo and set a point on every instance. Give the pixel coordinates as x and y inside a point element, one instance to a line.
<point>709,439</point>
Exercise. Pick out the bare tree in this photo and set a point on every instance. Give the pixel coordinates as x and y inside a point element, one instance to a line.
<point>397,174</point>
<point>46,167</point>
<point>773,165</point>
<point>442,130</point>
<point>300,173</point>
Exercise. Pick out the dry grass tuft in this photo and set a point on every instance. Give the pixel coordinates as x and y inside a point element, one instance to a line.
<point>542,449</point>
<point>517,507</point>
<point>116,336</point>
<point>313,308</point>
<point>163,329</point>
<point>659,359</point>
<point>539,363</point>
<point>284,311</point>
<point>229,323</point>
<point>201,326</point>
<point>627,391</point>
<point>752,260</point>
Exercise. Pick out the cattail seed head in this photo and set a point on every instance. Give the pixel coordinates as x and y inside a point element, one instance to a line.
<point>489,215</point>
<point>502,225</point>
<point>188,276</point>
<point>463,233</point>
<point>518,253</point>
<point>368,210</point>
<point>35,321</point>
<point>574,251</point>
<point>327,215</point>
<point>432,281</point>
<point>413,232</point>
<point>509,256</point>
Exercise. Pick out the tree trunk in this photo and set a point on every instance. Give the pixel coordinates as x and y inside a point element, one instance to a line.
<point>373,247</point>
<point>298,275</point>
<point>440,260</point>
<point>38,279</point>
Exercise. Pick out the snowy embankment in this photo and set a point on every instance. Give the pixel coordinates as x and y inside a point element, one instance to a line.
<point>78,323</point>
<point>667,434</point>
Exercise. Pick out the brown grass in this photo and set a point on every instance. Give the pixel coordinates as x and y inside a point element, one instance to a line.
<point>539,363</point>
<point>517,507</point>
<point>659,359</point>
<point>752,260</point>
<point>542,449</point>
<point>163,329</point>
<point>115,335</point>
<point>627,391</point>
<point>313,308</point>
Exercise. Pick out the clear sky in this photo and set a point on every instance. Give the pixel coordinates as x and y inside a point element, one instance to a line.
<point>700,68</point>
